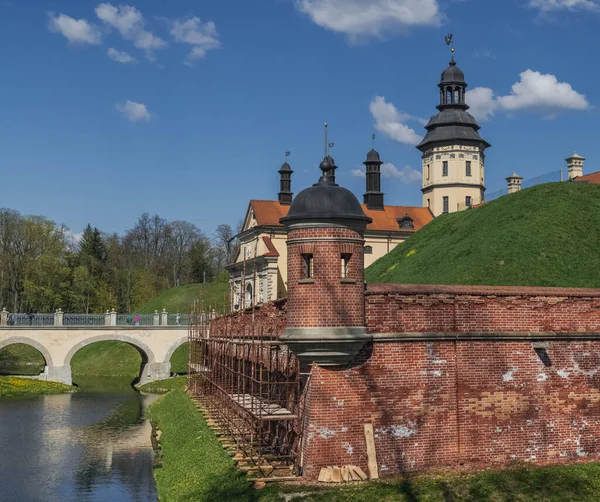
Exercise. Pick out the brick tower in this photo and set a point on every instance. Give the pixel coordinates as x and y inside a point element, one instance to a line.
<point>326,309</point>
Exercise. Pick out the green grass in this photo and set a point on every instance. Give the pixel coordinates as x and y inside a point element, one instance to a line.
<point>163,386</point>
<point>181,299</point>
<point>195,467</point>
<point>543,236</point>
<point>13,386</point>
<point>179,359</point>
<point>21,359</point>
<point>110,358</point>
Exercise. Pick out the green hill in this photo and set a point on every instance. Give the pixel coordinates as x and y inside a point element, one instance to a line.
<point>181,298</point>
<point>548,235</point>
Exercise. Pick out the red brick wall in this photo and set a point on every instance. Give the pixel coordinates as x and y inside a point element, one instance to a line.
<point>394,308</point>
<point>268,317</point>
<point>328,301</point>
<point>510,406</point>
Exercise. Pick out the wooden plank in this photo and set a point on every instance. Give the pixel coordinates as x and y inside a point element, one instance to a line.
<point>371,454</point>
<point>353,474</point>
<point>336,475</point>
<point>360,472</point>
<point>327,476</point>
<point>322,473</point>
<point>345,474</point>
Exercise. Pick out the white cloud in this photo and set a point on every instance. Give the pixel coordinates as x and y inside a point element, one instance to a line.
<point>76,31</point>
<point>129,22</point>
<point>388,170</point>
<point>535,90</point>
<point>201,36</point>
<point>364,18</point>
<point>72,239</point>
<point>554,5</point>
<point>120,57</point>
<point>482,103</point>
<point>389,120</point>
<point>134,111</point>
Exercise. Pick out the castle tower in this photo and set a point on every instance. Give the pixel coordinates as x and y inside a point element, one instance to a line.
<point>453,153</point>
<point>575,165</point>
<point>514,182</point>
<point>373,197</point>
<point>325,307</point>
<point>285,185</point>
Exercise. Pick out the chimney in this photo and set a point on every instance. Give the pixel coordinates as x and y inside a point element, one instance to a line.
<point>285,185</point>
<point>514,182</point>
<point>373,198</point>
<point>575,166</point>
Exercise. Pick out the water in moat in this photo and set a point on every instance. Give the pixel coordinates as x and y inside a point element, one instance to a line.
<point>93,445</point>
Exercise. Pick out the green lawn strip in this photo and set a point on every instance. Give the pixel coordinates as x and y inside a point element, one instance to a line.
<point>541,236</point>
<point>179,359</point>
<point>21,359</point>
<point>13,386</point>
<point>181,299</point>
<point>195,466</point>
<point>163,386</point>
<point>110,358</point>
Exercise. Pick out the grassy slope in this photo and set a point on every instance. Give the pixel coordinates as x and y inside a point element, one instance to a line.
<point>109,358</point>
<point>195,467</point>
<point>163,386</point>
<point>21,359</point>
<point>181,298</point>
<point>12,386</point>
<point>547,235</point>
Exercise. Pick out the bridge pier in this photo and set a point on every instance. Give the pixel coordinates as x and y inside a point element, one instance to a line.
<point>61,374</point>
<point>155,371</point>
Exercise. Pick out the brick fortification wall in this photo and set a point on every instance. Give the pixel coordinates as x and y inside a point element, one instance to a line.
<point>463,375</point>
<point>268,317</point>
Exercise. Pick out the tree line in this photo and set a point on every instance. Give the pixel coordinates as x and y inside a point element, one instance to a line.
<point>42,268</point>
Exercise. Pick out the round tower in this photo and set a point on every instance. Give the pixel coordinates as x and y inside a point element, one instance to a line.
<point>453,152</point>
<point>325,307</point>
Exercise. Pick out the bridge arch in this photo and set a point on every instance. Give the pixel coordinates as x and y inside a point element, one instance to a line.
<point>174,347</point>
<point>147,353</point>
<point>31,342</point>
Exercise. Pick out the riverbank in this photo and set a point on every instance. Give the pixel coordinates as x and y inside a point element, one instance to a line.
<point>164,386</point>
<point>195,467</point>
<point>13,386</point>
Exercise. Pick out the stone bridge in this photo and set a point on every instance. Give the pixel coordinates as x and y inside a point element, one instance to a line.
<point>58,344</point>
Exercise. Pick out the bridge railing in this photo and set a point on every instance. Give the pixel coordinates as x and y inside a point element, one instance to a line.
<point>109,318</point>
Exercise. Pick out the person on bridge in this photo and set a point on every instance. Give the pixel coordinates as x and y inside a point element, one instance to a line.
<point>136,320</point>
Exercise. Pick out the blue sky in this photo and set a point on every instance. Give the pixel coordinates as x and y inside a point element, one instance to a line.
<point>185,108</point>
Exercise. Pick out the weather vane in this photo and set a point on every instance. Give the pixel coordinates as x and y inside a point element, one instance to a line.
<point>373,141</point>
<point>327,145</point>
<point>287,154</point>
<point>450,41</point>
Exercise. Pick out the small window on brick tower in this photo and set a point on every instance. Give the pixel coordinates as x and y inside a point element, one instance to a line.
<point>307,266</point>
<point>345,263</point>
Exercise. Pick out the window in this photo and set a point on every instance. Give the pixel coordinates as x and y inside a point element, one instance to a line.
<point>249,298</point>
<point>307,266</point>
<point>468,168</point>
<point>345,265</point>
<point>445,168</point>
<point>428,202</point>
<point>468,201</point>
<point>446,204</point>
<point>428,171</point>
<point>368,249</point>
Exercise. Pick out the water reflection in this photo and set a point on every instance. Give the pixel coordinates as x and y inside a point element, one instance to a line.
<point>92,446</point>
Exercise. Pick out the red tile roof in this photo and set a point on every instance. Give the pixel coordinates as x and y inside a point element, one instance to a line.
<point>590,178</point>
<point>268,213</point>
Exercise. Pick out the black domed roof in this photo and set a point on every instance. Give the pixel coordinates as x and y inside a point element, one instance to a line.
<point>326,202</point>
<point>373,156</point>
<point>453,74</point>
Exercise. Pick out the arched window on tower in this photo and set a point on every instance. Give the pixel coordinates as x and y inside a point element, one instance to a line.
<point>456,96</point>
<point>448,95</point>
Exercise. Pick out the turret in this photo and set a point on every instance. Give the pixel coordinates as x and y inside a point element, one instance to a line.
<point>325,307</point>
<point>373,197</point>
<point>285,185</point>
<point>575,165</point>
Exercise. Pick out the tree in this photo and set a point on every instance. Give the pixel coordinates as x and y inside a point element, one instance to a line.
<point>183,236</point>
<point>224,238</point>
